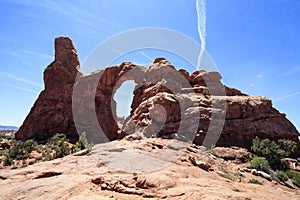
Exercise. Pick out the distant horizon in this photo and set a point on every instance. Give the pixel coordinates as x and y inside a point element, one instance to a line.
<point>3,127</point>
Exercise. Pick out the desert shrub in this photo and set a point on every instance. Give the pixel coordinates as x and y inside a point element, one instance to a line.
<point>295,176</point>
<point>47,157</point>
<point>57,139</point>
<point>281,176</point>
<point>55,147</point>
<point>255,181</point>
<point>2,152</point>
<point>24,164</point>
<point>39,148</point>
<point>274,152</point>
<point>61,151</point>
<point>211,149</point>
<point>260,163</point>
<point>6,137</point>
<point>8,161</point>
<point>287,147</point>
<point>58,144</point>
<point>21,149</point>
<point>228,176</point>
<point>81,144</point>
<point>205,92</point>
<point>39,158</point>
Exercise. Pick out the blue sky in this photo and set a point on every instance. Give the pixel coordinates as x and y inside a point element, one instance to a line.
<point>255,44</point>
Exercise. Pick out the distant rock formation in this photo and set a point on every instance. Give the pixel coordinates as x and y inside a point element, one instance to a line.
<point>8,127</point>
<point>167,103</point>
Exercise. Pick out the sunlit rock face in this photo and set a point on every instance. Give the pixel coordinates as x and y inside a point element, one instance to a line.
<point>52,111</point>
<point>166,103</point>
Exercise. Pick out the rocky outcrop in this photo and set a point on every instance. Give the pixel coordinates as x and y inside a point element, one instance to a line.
<point>231,153</point>
<point>240,116</point>
<point>167,103</point>
<point>194,174</point>
<point>94,108</point>
<point>52,111</point>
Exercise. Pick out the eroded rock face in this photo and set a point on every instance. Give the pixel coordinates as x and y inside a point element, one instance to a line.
<point>52,111</point>
<point>94,108</point>
<point>166,103</point>
<point>242,117</point>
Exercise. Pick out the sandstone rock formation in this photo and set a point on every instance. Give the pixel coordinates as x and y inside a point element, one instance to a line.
<point>167,102</point>
<point>52,111</point>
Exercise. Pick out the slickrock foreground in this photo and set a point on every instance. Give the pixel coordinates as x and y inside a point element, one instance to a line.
<point>195,174</point>
<point>167,103</point>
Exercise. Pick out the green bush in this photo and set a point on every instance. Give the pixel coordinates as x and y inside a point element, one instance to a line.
<point>39,158</point>
<point>295,176</point>
<point>55,147</point>
<point>39,148</point>
<point>205,92</point>
<point>24,164</point>
<point>58,145</point>
<point>228,176</point>
<point>260,163</point>
<point>255,181</point>
<point>274,152</point>
<point>8,161</point>
<point>2,152</point>
<point>82,144</point>
<point>47,157</point>
<point>21,149</point>
<point>281,176</point>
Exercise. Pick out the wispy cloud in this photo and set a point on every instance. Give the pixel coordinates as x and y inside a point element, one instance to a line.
<point>292,71</point>
<point>22,88</point>
<point>83,16</point>
<point>201,13</point>
<point>289,72</point>
<point>255,79</point>
<point>146,56</point>
<point>260,75</point>
<point>35,53</point>
<point>27,54</point>
<point>288,94</point>
<point>22,79</point>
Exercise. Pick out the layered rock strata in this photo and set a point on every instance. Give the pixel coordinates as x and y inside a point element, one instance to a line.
<point>167,102</point>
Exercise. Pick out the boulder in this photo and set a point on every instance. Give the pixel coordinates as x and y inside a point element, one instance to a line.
<point>232,153</point>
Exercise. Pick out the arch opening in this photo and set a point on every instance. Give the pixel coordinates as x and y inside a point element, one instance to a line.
<point>123,98</point>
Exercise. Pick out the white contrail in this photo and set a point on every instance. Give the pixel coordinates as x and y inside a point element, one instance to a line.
<point>201,12</point>
<point>21,88</point>
<point>22,80</point>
